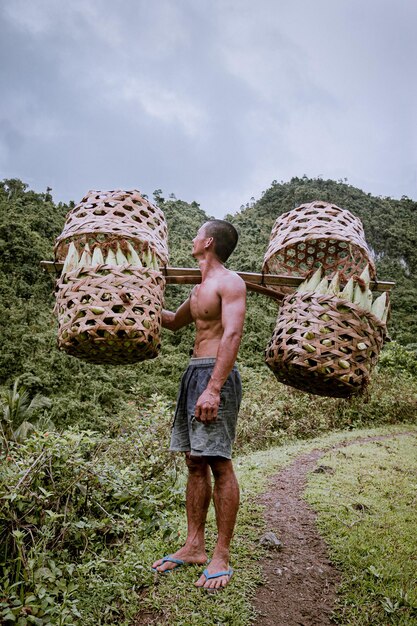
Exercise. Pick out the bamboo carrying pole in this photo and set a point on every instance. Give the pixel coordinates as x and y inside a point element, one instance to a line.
<point>256,282</point>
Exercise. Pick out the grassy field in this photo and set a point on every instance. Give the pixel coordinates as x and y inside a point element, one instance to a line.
<point>179,604</point>
<point>368,515</point>
<point>102,573</point>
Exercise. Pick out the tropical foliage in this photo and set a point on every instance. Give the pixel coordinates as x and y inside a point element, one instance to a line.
<point>87,490</point>
<point>89,395</point>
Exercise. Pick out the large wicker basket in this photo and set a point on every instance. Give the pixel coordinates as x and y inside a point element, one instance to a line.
<point>324,345</point>
<point>109,314</point>
<point>101,216</point>
<point>318,233</point>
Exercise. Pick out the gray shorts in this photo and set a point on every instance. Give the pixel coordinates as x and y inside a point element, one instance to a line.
<point>216,438</point>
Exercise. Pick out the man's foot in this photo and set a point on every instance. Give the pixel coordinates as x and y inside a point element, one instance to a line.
<point>169,559</point>
<point>183,556</point>
<point>216,576</point>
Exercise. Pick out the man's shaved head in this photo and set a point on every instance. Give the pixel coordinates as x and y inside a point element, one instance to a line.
<point>224,236</point>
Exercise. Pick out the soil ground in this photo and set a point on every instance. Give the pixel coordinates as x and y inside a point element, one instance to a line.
<point>300,581</point>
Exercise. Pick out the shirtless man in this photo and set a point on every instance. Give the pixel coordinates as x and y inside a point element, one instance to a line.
<point>208,402</point>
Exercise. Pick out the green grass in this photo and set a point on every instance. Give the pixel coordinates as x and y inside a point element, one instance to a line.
<point>368,516</point>
<point>111,580</point>
<point>176,599</point>
<point>173,596</point>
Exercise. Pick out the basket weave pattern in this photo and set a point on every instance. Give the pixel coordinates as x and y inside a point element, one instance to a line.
<point>296,353</point>
<point>114,214</point>
<point>125,326</point>
<point>318,233</point>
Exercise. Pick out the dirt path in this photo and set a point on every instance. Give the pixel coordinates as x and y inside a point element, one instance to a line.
<point>300,582</point>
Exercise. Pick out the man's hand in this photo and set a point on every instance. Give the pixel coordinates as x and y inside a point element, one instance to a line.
<point>207,406</point>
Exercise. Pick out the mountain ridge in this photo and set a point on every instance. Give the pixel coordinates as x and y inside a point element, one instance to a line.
<point>30,221</point>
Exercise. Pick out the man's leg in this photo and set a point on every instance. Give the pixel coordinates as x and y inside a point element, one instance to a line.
<point>198,498</point>
<point>226,503</point>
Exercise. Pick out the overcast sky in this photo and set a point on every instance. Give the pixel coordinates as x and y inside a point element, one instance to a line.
<point>208,99</point>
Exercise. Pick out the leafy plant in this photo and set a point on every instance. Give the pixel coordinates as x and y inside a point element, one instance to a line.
<point>17,408</point>
<point>69,498</point>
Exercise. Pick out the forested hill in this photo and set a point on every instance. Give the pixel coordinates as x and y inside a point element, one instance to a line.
<point>390,230</point>
<point>30,221</point>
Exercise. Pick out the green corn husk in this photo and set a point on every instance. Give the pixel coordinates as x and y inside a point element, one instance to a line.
<point>309,348</point>
<point>71,260</point>
<point>360,294</point>
<point>120,257</point>
<point>323,286</point>
<point>311,283</point>
<point>379,306</point>
<point>97,310</point>
<point>365,276</point>
<point>324,330</point>
<point>97,258</point>
<point>86,257</point>
<point>155,262</point>
<point>132,256</point>
<point>345,378</point>
<point>334,286</point>
<point>146,257</point>
<point>111,258</point>
<point>368,299</point>
<point>347,293</point>
<point>385,315</point>
<point>344,364</point>
<point>327,342</point>
<point>309,335</point>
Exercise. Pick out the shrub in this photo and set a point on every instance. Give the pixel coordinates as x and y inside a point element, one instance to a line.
<point>67,497</point>
<point>397,358</point>
<point>272,413</point>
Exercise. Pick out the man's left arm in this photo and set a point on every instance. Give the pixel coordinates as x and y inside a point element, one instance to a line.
<point>233,302</point>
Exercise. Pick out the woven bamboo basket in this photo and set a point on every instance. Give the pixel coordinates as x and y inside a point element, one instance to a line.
<point>116,215</point>
<point>318,233</point>
<point>318,345</point>
<point>110,314</point>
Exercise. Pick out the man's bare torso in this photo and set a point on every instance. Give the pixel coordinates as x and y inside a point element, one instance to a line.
<point>206,311</point>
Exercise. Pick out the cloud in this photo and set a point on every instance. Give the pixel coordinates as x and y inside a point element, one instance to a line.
<point>48,18</point>
<point>145,97</point>
<point>209,100</point>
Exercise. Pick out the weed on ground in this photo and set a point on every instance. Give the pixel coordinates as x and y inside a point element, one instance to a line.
<point>368,515</point>
<point>173,600</point>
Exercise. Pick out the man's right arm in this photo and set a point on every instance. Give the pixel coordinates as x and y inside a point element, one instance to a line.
<point>182,317</point>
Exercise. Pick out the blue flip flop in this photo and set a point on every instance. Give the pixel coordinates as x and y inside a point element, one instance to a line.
<point>170,559</point>
<point>208,576</point>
